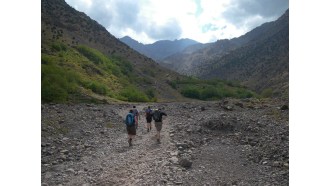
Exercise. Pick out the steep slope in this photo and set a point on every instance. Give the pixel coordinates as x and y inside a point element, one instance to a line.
<point>82,61</point>
<point>160,49</point>
<point>186,62</point>
<point>262,64</point>
<point>259,58</point>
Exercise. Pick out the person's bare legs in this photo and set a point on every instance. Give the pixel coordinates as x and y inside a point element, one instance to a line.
<point>158,126</point>
<point>158,136</point>
<point>130,138</point>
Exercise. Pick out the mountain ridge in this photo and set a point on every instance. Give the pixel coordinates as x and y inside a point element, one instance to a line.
<point>262,64</point>
<point>82,62</point>
<point>86,62</point>
<point>159,49</point>
<point>204,62</point>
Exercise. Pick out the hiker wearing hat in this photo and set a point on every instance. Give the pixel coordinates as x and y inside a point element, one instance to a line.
<point>157,115</point>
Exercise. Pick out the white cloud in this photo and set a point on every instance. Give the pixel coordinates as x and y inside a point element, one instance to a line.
<point>202,20</point>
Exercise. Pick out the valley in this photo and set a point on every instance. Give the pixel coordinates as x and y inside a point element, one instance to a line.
<point>227,106</point>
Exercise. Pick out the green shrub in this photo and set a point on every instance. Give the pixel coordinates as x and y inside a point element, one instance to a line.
<point>150,93</point>
<point>209,93</point>
<point>57,83</point>
<point>96,87</point>
<point>53,92</point>
<point>59,47</point>
<point>45,59</point>
<point>115,65</point>
<point>191,92</point>
<point>173,84</point>
<point>92,54</point>
<point>133,95</point>
<point>267,93</point>
<point>242,93</point>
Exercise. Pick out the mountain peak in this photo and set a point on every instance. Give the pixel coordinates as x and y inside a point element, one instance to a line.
<point>159,50</point>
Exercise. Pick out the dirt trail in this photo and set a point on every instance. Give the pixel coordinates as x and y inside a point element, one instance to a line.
<point>213,146</point>
<point>144,160</point>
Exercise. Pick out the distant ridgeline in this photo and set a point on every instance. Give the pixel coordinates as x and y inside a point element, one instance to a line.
<point>160,49</point>
<point>82,62</point>
<point>259,59</point>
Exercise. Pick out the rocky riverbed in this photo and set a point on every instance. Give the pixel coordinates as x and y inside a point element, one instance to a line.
<point>228,142</point>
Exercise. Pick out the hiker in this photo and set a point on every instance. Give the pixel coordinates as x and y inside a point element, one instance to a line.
<point>157,116</point>
<point>148,118</point>
<point>130,126</point>
<point>136,116</point>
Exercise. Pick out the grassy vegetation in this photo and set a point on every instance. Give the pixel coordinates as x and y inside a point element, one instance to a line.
<point>67,71</point>
<point>83,74</point>
<point>210,89</point>
<point>267,93</point>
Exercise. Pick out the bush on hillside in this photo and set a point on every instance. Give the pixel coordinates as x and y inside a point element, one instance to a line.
<point>56,83</point>
<point>209,93</point>
<point>150,93</point>
<point>267,93</point>
<point>59,47</point>
<point>133,95</point>
<point>191,92</point>
<point>173,84</point>
<point>96,87</point>
<point>51,92</point>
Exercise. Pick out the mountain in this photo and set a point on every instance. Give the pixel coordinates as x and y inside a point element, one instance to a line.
<point>187,62</point>
<point>160,49</point>
<point>133,44</point>
<point>259,59</point>
<point>261,64</point>
<point>82,62</point>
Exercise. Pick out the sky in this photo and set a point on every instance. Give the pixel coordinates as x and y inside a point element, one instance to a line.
<point>204,21</point>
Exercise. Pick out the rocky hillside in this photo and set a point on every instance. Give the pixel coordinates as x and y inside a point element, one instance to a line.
<point>261,64</point>
<point>82,61</point>
<point>229,142</point>
<point>160,49</point>
<point>188,61</point>
<point>259,59</point>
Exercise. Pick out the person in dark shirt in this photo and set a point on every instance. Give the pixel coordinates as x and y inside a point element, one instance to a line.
<point>149,118</point>
<point>136,116</point>
<point>157,115</point>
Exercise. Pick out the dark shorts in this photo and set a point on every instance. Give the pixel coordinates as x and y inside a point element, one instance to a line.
<point>158,125</point>
<point>149,119</point>
<point>131,130</point>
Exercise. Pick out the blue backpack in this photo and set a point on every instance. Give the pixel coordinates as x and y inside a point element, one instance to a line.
<point>130,119</point>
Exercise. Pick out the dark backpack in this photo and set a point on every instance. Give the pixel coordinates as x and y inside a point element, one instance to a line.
<point>156,115</point>
<point>148,113</point>
<point>129,120</point>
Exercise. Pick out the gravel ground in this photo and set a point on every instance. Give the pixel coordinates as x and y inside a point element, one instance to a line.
<point>229,142</point>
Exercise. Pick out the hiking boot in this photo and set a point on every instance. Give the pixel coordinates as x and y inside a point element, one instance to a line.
<point>130,142</point>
